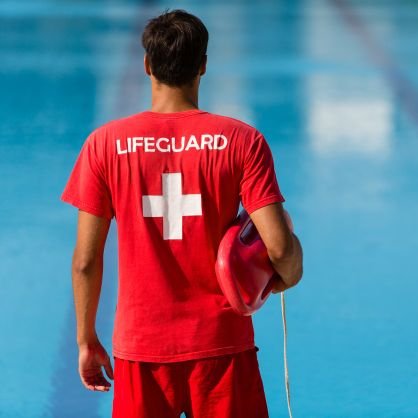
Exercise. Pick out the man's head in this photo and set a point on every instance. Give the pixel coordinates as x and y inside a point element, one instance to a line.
<point>175,44</point>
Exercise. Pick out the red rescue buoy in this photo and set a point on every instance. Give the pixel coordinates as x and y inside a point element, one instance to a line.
<point>243,268</point>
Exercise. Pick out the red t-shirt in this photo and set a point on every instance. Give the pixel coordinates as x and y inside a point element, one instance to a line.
<point>173,182</point>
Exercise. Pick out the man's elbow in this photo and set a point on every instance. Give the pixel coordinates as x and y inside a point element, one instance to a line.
<point>84,266</point>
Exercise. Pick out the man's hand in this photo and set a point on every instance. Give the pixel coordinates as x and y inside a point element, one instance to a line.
<point>279,285</point>
<point>91,358</point>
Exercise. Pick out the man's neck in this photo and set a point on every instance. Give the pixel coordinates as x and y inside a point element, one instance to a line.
<point>166,99</point>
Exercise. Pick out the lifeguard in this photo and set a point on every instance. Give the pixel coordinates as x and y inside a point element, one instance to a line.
<point>151,144</point>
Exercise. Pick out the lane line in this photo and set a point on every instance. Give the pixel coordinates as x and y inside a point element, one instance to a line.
<point>402,86</point>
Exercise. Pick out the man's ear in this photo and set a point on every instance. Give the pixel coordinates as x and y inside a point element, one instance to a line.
<point>203,65</point>
<point>147,67</point>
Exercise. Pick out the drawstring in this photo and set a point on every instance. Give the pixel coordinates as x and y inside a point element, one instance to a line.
<point>286,371</point>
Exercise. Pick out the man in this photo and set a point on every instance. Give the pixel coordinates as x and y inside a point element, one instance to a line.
<point>173,177</point>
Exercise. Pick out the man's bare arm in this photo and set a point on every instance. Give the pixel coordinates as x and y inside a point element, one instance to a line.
<point>87,270</point>
<point>283,246</point>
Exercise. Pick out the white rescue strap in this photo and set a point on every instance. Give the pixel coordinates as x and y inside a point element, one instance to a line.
<point>286,370</point>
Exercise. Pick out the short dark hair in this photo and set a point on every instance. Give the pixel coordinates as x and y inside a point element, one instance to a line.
<point>176,44</point>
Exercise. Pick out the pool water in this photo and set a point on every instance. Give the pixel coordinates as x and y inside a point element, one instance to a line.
<point>333,86</point>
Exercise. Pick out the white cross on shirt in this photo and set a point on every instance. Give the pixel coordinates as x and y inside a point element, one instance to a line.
<point>172,206</point>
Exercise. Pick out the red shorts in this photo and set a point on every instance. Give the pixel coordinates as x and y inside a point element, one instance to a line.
<point>226,386</point>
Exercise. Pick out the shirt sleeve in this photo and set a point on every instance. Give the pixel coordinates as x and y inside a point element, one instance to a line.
<point>259,186</point>
<point>86,187</point>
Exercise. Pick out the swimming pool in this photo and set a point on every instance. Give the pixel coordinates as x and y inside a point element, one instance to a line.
<point>333,87</point>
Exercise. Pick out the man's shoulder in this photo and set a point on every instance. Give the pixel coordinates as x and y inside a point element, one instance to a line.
<point>233,122</point>
<point>115,124</point>
<point>102,134</point>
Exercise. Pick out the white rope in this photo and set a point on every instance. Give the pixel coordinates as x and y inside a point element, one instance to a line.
<point>286,370</point>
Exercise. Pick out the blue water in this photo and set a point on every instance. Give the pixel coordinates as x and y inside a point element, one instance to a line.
<point>331,84</point>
